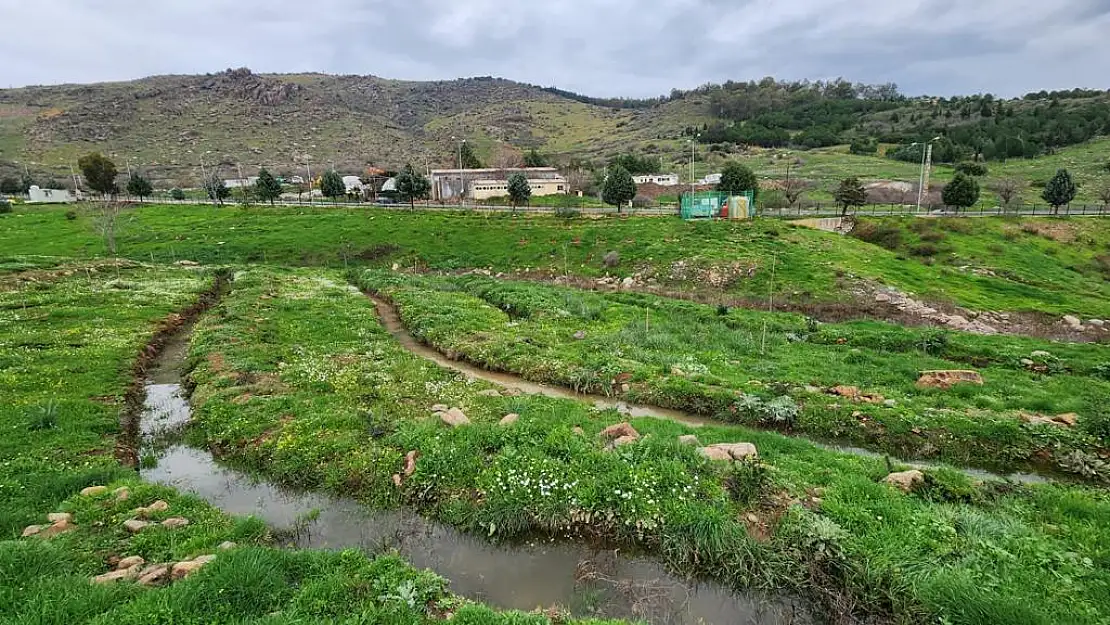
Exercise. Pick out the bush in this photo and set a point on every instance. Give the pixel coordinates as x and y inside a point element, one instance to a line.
<point>972,169</point>
<point>925,249</point>
<point>567,212</point>
<point>177,194</point>
<point>71,215</point>
<point>642,201</point>
<point>889,237</point>
<point>5,206</point>
<point>747,480</point>
<point>612,259</point>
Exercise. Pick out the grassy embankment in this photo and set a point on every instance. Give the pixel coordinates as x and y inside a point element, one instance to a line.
<point>776,369</point>
<point>69,338</point>
<point>1062,271</point>
<point>297,379</point>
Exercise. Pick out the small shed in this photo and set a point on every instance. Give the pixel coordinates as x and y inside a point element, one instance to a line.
<point>38,195</point>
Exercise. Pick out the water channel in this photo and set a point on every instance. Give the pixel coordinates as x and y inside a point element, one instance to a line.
<point>586,580</point>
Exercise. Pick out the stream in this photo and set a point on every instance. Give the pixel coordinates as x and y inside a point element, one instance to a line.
<point>588,581</point>
<point>392,323</point>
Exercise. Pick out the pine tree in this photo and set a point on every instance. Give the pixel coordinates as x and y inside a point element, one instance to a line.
<point>267,187</point>
<point>139,186</point>
<point>736,179</point>
<point>99,172</point>
<point>469,159</point>
<point>412,185</point>
<point>962,192</point>
<point>850,193</point>
<point>619,188</point>
<point>534,159</point>
<point>519,189</point>
<point>331,185</point>
<point>1060,190</point>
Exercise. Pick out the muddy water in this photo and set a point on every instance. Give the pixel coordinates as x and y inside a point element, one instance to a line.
<point>587,581</point>
<point>392,323</point>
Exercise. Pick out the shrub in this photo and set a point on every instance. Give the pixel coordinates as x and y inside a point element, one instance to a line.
<point>925,249</point>
<point>889,237</point>
<point>972,169</point>
<point>567,212</point>
<point>612,259</point>
<point>71,215</point>
<point>932,237</point>
<point>5,206</point>
<point>641,201</point>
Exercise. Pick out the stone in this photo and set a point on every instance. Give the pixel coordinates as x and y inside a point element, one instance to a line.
<point>60,527</point>
<point>227,544</point>
<point>689,439</point>
<point>410,462</point>
<point>620,430</point>
<point>1097,323</point>
<point>440,408</point>
<point>398,481</point>
<point>181,570</point>
<point>122,493</point>
<point>175,522</point>
<point>882,298</point>
<point>158,506</point>
<point>130,561</point>
<point>624,440</point>
<point>715,453</point>
<point>1068,418</point>
<point>489,393</point>
<point>509,419</point>
<point>135,526</point>
<point>737,451</point>
<point>851,392</point>
<point>454,418</point>
<point>1036,419</point>
<point>117,575</point>
<point>579,431</point>
<point>154,574</point>
<point>31,530</point>
<point>1040,354</point>
<point>905,481</point>
<point>187,263</point>
<point>947,379</point>
<point>580,335</point>
<point>1073,322</point>
<point>890,403</point>
<point>93,491</point>
<point>54,517</point>
<point>1025,362</point>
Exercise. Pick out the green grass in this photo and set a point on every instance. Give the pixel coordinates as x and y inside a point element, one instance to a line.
<point>757,368</point>
<point>295,378</point>
<point>68,341</point>
<point>747,261</point>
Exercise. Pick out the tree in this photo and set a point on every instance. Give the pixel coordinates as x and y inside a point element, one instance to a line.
<point>850,193</point>
<point>99,172</point>
<point>519,189</point>
<point>1060,190</point>
<point>267,188</point>
<point>11,185</point>
<point>1104,193</point>
<point>619,188</point>
<point>177,194</point>
<point>216,189</point>
<point>962,192</point>
<point>331,185</point>
<point>469,159</point>
<point>793,187</point>
<point>139,186</point>
<point>1007,190</point>
<point>25,183</point>
<point>412,185</point>
<point>972,168</point>
<point>736,179</point>
<point>534,159</point>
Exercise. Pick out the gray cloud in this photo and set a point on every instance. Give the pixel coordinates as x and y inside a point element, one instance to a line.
<point>598,47</point>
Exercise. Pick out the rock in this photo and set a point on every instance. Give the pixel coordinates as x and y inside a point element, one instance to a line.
<point>135,526</point>
<point>715,453</point>
<point>396,266</point>
<point>1036,419</point>
<point>689,439</point>
<point>61,527</point>
<point>93,491</point>
<point>187,263</point>
<point>175,522</point>
<point>580,335</point>
<point>181,570</point>
<point>947,379</point>
<point>882,298</point>
<point>624,440</point>
<point>1097,323</point>
<point>1025,362</point>
<point>628,283</point>
<point>620,430</point>
<point>122,493</point>
<point>398,481</point>
<point>55,517</point>
<point>158,506</point>
<point>31,530</point>
<point>1073,322</point>
<point>489,393</point>
<point>1040,354</point>
<point>579,431</point>
<point>154,574</point>
<point>890,403</point>
<point>1068,418</point>
<point>851,392</point>
<point>509,419</point>
<point>117,575</point>
<point>440,408</point>
<point>227,544</point>
<point>454,418</point>
<point>738,451</point>
<point>410,462</point>
<point>129,562</point>
<point>906,480</point>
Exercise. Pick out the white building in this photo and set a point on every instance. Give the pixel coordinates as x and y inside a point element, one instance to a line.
<point>711,179</point>
<point>663,180</point>
<point>352,183</point>
<point>449,184</point>
<point>48,196</point>
<point>240,183</point>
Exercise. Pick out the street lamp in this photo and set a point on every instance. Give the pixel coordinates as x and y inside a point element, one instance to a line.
<point>925,148</point>
<point>693,145</point>
<point>462,181</point>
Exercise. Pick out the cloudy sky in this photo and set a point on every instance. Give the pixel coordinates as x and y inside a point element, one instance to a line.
<point>597,47</point>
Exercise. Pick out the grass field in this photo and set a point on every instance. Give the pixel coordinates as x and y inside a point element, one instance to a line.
<point>297,379</point>
<point>1047,266</point>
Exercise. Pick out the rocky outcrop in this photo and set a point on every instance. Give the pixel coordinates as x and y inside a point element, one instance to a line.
<point>947,379</point>
<point>509,419</point>
<point>93,491</point>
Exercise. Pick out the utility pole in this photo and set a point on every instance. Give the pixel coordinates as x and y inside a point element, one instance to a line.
<point>923,179</point>
<point>76,187</point>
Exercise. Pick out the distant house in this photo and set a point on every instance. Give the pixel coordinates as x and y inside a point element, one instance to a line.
<point>352,183</point>
<point>240,183</point>
<point>49,196</point>
<point>710,179</point>
<point>482,184</point>
<point>296,180</point>
<point>663,180</point>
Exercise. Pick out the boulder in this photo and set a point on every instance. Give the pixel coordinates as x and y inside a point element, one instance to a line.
<point>1097,323</point>
<point>1069,419</point>
<point>947,379</point>
<point>55,517</point>
<point>620,430</point>
<point>122,493</point>
<point>1073,322</point>
<point>227,544</point>
<point>580,335</point>
<point>440,408</point>
<point>905,481</point>
<point>578,431</point>
<point>410,462</point>
<point>509,419</point>
<point>130,561</point>
<point>154,574</point>
<point>715,453</point>
<point>624,440</point>
<point>175,522</point>
<point>93,491</point>
<point>489,393</point>
<point>737,451</point>
<point>61,527</point>
<point>117,575</point>
<point>135,526</point>
<point>454,418</point>
<point>31,530</point>
<point>851,392</point>
<point>158,506</point>
<point>689,439</point>
<point>184,569</point>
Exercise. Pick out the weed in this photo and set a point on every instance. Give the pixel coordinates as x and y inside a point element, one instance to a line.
<point>747,481</point>
<point>45,417</point>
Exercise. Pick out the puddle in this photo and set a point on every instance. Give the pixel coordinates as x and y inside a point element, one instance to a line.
<point>589,582</point>
<point>392,323</point>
